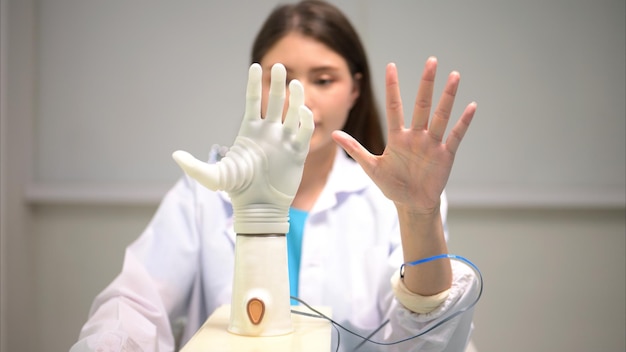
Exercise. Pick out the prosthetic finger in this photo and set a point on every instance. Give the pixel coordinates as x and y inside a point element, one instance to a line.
<point>253,93</point>
<point>296,100</point>
<point>277,94</point>
<point>207,174</point>
<point>307,126</point>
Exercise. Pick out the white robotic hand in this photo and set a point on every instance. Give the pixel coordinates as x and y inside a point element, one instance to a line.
<point>262,170</point>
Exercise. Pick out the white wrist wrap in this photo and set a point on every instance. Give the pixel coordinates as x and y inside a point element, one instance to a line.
<point>413,301</point>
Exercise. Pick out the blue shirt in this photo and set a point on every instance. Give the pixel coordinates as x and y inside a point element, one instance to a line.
<point>294,248</point>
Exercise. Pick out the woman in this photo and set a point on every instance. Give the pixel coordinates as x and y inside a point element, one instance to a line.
<point>360,217</point>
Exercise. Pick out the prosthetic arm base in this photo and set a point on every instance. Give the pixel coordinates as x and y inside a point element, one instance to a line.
<point>309,335</point>
<point>260,302</point>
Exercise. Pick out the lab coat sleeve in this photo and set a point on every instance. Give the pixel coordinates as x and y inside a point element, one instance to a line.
<point>134,312</point>
<point>127,315</point>
<point>452,335</point>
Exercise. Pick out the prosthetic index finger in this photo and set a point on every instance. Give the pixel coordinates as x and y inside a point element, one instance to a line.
<point>253,93</point>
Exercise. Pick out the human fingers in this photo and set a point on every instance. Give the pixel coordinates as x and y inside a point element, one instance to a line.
<point>393,100</point>
<point>276,97</point>
<point>441,116</point>
<point>458,131</point>
<point>424,98</point>
<point>253,93</point>
<point>355,150</point>
<point>296,100</point>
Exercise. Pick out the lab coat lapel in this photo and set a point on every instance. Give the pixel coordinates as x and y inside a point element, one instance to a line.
<point>345,177</point>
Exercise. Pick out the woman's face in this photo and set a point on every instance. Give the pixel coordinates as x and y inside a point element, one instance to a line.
<point>329,88</point>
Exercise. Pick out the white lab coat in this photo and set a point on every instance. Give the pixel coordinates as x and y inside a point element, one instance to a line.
<point>180,270</point>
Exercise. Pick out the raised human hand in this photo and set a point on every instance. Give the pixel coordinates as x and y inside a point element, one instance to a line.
<point>262,170</point>
<point>416,164</point>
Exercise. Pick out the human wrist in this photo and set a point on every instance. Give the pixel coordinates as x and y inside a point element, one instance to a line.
<point>419,213</point>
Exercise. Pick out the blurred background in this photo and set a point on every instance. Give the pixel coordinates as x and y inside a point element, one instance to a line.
<point>96,95</point>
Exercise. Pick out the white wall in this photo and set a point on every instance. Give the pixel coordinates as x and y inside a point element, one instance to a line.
<point>554,278</point>
<point>98,95</point>
<point>17,260</point>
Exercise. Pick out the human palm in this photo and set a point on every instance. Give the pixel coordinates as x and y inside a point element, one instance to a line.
<point>416,164</point>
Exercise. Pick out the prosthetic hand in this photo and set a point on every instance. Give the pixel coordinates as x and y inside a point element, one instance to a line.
<point>262,170</point>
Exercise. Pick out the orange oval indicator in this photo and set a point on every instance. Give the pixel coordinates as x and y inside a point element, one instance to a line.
<point>256,310</point>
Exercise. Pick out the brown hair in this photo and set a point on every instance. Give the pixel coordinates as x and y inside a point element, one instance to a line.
<point>327,24</point>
